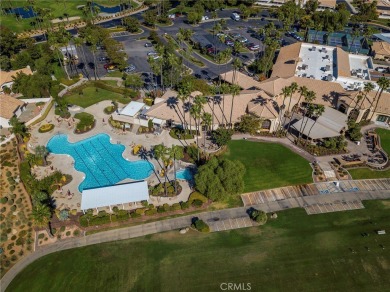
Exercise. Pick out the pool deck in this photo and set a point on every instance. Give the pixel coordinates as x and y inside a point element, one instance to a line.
<point>65,163</point>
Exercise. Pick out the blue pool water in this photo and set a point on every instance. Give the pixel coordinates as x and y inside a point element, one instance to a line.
<point>101,161</point>
<point>185,174</point>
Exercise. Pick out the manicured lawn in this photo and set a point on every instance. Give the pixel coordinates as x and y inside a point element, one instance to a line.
<point>269,165</point>
<point>296,252</point>
<point>57,9</point>
<point>91,96</point>
<point>365,173</point>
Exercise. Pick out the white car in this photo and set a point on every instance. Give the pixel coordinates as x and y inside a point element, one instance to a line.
<point>152,53</point>
<point>205,18</point>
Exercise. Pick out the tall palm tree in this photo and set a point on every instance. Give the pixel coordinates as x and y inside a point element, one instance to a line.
<point>318,111</point>
<point>206,121</point>
<point>144,154</point>
<point>176,152</point>
<point>309,97</point>
<point>56,43</point>
<point>195,112</point>
<point>41,152</point>
<point>302,92</point>
<point>286,91</point>
<point>160,153</point>
<point>383,84</point>
<point>293,89</point>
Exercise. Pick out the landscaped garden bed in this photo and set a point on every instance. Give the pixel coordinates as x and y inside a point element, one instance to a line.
<point>145,130</point>
<point>110,109</point>
<point>45,128</point>
<point>178,133</point>
<point>86,123</point>
<point>17,235</point>
<point>166,189</point>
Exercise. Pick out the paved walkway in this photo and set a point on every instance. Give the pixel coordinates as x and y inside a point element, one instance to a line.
<point>182,222</point>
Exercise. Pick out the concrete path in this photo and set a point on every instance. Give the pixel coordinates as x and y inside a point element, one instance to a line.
<point>181,222</point>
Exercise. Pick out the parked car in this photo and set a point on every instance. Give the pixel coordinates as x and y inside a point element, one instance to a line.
<point>208,46</point>
<point>129,68</point>
<point>148,45</point>
<point>253,47</point>
<point>109,66</point>
<point>381,69</point>
<point>205,18</point>
<point>220,34</point>
<point>152,53</point>
<point>235,35</point>
<point>235,16</point>
<point>172,16</point>
<point>103,59</point>
<point>242,39</point>
<point>229,43</point>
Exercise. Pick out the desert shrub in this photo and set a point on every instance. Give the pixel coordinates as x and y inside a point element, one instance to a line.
<point>140,211</point>
<point>23,233</point>
<point>67,233</point>
<point>8,173</point>
<point>12,188</point>
<point>13,208</point>
<point>45,128</point>
<point>161,209</point>
<point>4,200</point>
<point>13,237</point>
<point>76,232</point>
<point>14,257</point>
<point>62,229</point>
<point>134,215</point>
<point>41,236</point>
<point>18,201</point>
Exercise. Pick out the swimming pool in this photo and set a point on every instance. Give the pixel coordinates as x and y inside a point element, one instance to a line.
<point>101,161</point>
<point>185,174</point>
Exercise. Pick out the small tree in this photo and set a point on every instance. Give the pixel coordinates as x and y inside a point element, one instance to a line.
<point>258,216</point>
<point>41,152</point>
<point>131,24</point>
<point>249,124</point>
<point>63,215</point>
<point>222,136</point>
<point>200,225</point>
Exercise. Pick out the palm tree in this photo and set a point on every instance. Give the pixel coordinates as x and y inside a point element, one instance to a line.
<point>41,152</point>
<point>318,111</point>
<point>176,152</point>
<point>56,43</point>
<point>302,92</point>
<point>41,215</point>
<point>195,112</point>
<point>160,152</point>
<point>355,34</point>
<point>184,92</point>
<point>286,91</point>
<point>383,84</point>
<point>18,128</point>
<point>206,121</point>
<point>144,154</point>
<point>79,42</point>
<point>309,97</point>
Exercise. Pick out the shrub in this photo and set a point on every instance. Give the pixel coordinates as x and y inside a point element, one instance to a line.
<point>201,226</point>
<point>197,203</point>
<point>46,128</point>
<point>151,212</point>
<point>161,209</point>
<point>86,122</point>
<point>197,196</point>
<point>62,229</point>
<point>140,211</point>
<point>67,233</point>
<point>41,236</point>
<point>184,205</point>
<point>258,216</point>
<point>63,215</point>
<point>110,109</point>
<point>13,208</point>
<point>8,173</point>
<point>12,188</point>
<point>76,232</point>
<point>4,200</point>
<point>134,215</point>
<point>176,207</point>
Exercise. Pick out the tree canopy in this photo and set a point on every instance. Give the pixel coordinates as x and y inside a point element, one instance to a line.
<point>220,178</point>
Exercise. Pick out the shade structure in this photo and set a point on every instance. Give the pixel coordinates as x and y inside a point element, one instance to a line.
<point>132,108</point>
<point>114,195</point>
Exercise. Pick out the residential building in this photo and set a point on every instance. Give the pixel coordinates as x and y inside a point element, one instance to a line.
<point>6,77</point>
<point>9,107</point>
<point>381,50</point>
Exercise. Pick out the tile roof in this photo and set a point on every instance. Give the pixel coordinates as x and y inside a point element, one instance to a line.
<point>9,105</point>
<point>264,108</point>
<point>343,66</point>
<point>172,108</point>
<point>6,77</point>
<point>243,80</point>
<point>287,60</point>
<point>381,48</point>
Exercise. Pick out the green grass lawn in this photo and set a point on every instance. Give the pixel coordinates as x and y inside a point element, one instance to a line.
<point>57,9</point>
<point>366,173</point>
<point>91,96</point>
<point>269,165</point>
<point>296,252</point>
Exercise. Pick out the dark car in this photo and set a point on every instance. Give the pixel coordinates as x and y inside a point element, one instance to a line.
<point>148,45</point>
<point>208,46</point>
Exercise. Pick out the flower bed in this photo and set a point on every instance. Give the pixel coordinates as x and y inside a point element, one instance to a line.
<point>159,190</point>
<point>46,128</point>
<point>110,109</point>
<point>87,122</point>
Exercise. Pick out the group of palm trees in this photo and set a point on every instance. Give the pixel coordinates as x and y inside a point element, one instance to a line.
<point>164,156</point>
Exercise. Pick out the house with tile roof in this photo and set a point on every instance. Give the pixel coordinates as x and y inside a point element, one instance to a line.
<point>6,77</point>
<point>9,107</point>
<point>381,50</point>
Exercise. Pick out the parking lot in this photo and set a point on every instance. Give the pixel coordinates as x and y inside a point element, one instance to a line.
<point>336,206</point>
<point>228,224</point>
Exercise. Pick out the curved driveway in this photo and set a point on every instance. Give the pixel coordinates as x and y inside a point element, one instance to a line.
<point>178,223</point>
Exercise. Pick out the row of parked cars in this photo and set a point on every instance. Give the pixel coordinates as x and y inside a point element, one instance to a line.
<point>295,36</point>
<point>233,37</point>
